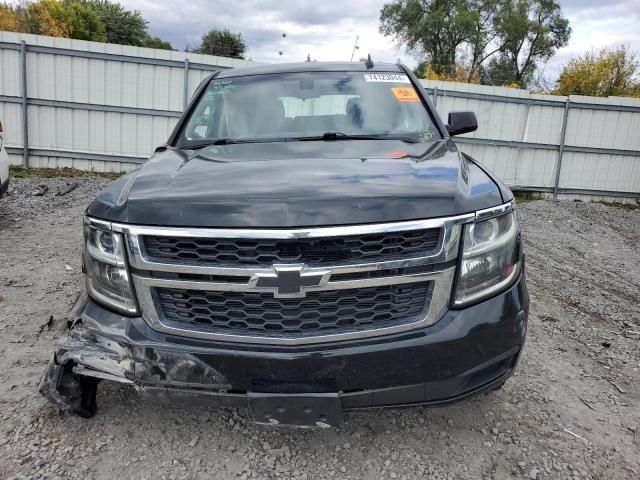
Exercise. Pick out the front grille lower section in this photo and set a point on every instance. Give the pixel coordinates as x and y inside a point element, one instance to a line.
<point>319,313</point>
<point>311,251</point>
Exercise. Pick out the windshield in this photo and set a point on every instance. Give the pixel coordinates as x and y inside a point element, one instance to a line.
<point>304,106</point>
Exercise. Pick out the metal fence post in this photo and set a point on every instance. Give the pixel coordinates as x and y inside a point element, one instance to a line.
<point>435,97</point>
<point>25,118</point>
<point>563,133</point>
<point>185,99</point>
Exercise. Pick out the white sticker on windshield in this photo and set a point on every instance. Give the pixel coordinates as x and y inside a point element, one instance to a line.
<point>386,77</point>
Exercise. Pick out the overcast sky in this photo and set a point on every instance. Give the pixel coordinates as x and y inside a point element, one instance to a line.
<point>327,29</point>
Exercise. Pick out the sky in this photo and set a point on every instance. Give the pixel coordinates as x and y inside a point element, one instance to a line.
<point>327,29</point>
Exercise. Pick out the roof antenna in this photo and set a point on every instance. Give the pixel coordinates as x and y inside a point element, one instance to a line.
<point>368,62</point>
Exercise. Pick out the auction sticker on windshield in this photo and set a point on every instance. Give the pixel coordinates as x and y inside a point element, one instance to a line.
<point>405,94</point>
<point>386,77</point>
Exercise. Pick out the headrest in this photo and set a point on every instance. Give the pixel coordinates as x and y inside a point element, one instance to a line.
<point>354,111</point>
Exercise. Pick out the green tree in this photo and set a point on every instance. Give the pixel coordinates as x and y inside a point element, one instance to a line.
<point>530,32</point>
<point>434,29</point>
<point>124,27</point>
<point>222,42</point>
<point>65,18</point>
<point>479,37</point>
<point>155,42</point>
<point>83,22</point>
<point>483,38</point>
<point>499,71</point>
<point>610,72</point>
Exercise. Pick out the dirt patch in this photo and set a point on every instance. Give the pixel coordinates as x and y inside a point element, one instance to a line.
<point>572,410</point>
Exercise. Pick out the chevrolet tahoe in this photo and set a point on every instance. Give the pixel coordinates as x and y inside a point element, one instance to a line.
<point>309,240</point>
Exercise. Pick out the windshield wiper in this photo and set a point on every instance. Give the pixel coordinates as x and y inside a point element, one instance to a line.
<point>325,136</point>
<point>345,136</point>
<point>231,141</point>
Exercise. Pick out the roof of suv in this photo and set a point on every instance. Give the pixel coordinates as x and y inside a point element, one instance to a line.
<point>309,67</point>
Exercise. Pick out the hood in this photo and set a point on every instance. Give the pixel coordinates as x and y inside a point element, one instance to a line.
<point>296,184</point>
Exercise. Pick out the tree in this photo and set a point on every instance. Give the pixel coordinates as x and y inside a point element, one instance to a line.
<point>478,36</point>
<point>461,74</point>
<point>223,43</point>
<point>483,38</point>
<point>612,72</point>
<point>499,71</point>
<point>433,28</point>
<point>66,18</point>
<point>124,27</point>
<point>82,21</point>
<point>530,32</point>
<point>9,19</point>
<point>95,20</point>
<point>155,42</point>
<point>46,17</point>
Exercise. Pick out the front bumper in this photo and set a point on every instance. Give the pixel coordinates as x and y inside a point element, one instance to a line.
<point>468,351</point>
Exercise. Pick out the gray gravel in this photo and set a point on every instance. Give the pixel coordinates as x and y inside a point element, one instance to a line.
<point>571,412</point>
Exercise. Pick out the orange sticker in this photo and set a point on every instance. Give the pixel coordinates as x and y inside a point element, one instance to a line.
<point>405,94</point>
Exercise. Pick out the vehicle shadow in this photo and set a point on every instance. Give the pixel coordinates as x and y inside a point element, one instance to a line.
<point>125,415</point>
<point>5,218</point>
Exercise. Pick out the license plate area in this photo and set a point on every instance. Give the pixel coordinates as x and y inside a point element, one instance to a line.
<point>305,410</point>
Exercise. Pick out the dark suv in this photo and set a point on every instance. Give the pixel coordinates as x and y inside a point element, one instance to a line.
<point>309,240</point>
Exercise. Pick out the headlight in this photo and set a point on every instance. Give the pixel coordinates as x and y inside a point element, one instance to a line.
<point>106,269</point>
<point>490,258</point>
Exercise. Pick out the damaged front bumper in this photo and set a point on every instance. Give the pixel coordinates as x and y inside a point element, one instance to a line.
<point>94,351</point>
<point>468,351</point>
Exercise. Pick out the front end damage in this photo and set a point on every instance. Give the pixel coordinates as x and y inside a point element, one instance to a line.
<point>86,355</point>
<point>300,386</point>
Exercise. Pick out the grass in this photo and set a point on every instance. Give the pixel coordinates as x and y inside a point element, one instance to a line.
<point>22,172</point>
<point>630,207</point>
<point>525,197</point>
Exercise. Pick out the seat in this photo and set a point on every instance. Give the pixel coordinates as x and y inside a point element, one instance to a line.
<point>354,112</point>
<point>256,117</point>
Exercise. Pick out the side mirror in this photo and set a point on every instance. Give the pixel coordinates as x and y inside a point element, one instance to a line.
<point>462,122</point>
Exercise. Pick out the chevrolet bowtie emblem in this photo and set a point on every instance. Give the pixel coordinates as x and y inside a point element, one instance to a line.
<point>288,281</point>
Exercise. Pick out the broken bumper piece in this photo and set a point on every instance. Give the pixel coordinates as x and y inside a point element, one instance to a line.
<point>467,352</point>
<point>85,356</point>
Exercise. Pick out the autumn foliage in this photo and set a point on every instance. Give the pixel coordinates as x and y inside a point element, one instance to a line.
<point>610,72</point>
<point>64,18</point>
<point>9,21</point>
<point>94,20</point>
<point>457,73</point>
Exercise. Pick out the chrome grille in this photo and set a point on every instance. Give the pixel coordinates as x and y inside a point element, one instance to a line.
<point>319,312</point>
<point>297,286</point>
<point>311,251</point>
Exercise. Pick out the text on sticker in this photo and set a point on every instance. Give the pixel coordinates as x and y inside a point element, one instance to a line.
<point>386,77</point>
<point>405,94</point>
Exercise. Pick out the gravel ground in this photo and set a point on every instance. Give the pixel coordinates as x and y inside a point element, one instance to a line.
<point>571,412</point>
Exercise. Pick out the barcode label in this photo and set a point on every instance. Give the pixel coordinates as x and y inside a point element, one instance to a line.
<point>386,77</point>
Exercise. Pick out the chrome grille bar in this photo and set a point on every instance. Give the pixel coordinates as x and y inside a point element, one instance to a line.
<point>447,248</point>
<point>283,234</point>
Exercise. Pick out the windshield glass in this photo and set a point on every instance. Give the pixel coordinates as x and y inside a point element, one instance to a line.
<point>283,107</point>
